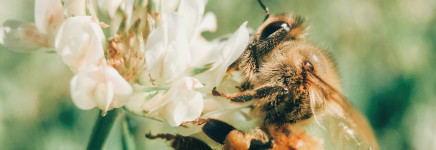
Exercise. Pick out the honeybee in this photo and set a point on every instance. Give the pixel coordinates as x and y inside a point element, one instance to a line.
<point>292,82</point>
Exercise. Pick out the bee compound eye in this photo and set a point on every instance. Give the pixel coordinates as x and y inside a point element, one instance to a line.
<point>272,28</point>
<point>308,66</point>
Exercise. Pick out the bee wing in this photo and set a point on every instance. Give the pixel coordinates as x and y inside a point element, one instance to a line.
<point>347,127</point>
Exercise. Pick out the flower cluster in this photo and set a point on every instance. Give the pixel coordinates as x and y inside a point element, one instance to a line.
<point>148,56</point>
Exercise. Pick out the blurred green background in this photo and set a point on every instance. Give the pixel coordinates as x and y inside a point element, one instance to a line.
<point>385,52</point>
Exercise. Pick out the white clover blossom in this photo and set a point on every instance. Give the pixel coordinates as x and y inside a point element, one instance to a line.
<point>152,62</point>
<point>200,47</point>
<point>191,11</point>
<point>173,49</point>
<point>110,6</point>
<point>168,57</point>
<point>22,37</point>
<point>181,103</point>
<point>99,86</point>
<point>74,8</point>
<point>48,16</point>
<point>168,53</point>
<point>80,42</point>
<point>223,55</point>
<point>25,37</point>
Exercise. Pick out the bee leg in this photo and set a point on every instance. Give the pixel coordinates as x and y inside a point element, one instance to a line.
<point>267,90</point>
<point>161,136</point>
<point>234,66</point>
<point>237,97</point>
<point>248,62</point>
<point>256,50</point>
<point>180,142</point>
<point>245,86</point>
<point>261,92</point>
<point>264,46</point>
<point>198,121</point>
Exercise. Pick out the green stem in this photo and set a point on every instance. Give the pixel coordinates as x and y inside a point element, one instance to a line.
<point>126,139</point>
<point>102,129</point>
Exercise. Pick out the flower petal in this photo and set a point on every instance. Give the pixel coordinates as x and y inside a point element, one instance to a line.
<point>193,11</point>
<point>22,37</point>
<point>111,6</point>
<point>200,47</point>
<point>80,42</point>
<point>181,103</point>
<point>208,23</point>
<point>167,50</point>
<point>99,86</point>
<point>227,54</point>
<point>235,45</point>
<point>103,95</point>
<point>168,5</point>
<point>128,9</point>
<point>188,108</point>
<point>122,89</point>
<point>80,85</point>
<point>48,15</point>
<point>74,8</point>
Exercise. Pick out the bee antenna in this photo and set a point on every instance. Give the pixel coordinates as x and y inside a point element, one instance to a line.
<point>264,8</point>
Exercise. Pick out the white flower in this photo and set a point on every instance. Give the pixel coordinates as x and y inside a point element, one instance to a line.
<point>200,47</point>
<point>192,12</point>
<point>223,55</point>
<point>181,103</point>
<point>167,5</point>
<point>110,6</point>
<point>48,16</point>
<point>74,8</point>
<point>99,86</point>
<point>170,47</point>
<point>80,42</point>
<point>167,52</point>
<point>177,46</point>
<point>22,37</point>
<point>26,37</point>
